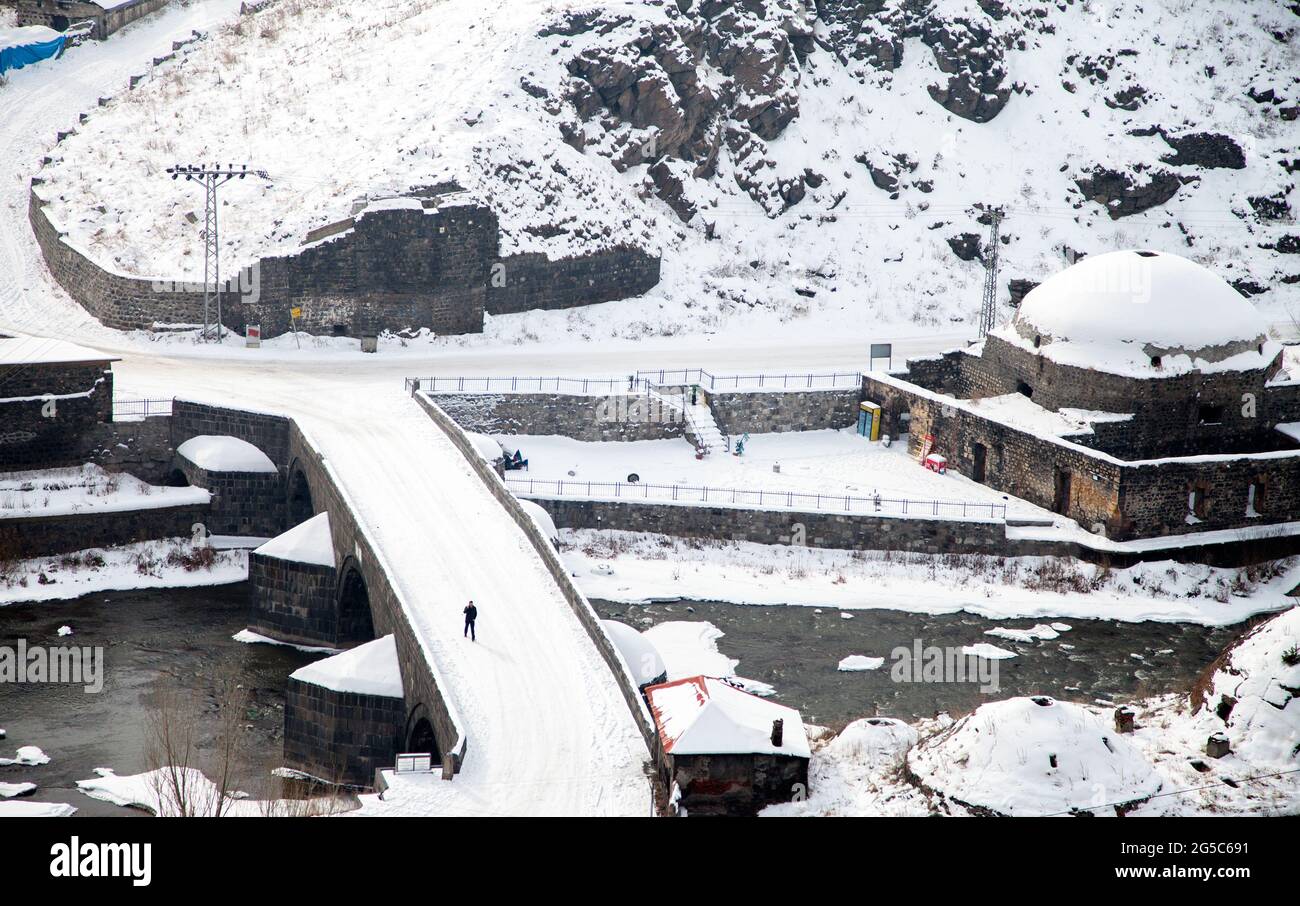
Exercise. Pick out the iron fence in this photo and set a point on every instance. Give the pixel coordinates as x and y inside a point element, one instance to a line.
<point>125,410</point>
<point>874,505</point>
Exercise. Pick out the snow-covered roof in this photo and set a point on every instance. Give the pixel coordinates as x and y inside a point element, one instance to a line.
<point>43,351</point>
<point>1113,312</point>
<point>309,542</point>
<point>219,453</point>
<point>369,669</point>
<point>643,659</point>
<point>1001,758</point>
<point>701,715</point>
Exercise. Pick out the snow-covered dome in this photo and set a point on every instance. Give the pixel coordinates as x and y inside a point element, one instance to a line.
<point>1034,756</point>
<point>640,653</point>
<point>1142,313</point>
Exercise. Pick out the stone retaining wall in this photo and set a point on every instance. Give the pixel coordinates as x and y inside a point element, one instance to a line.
<point>525,282</point>
<point>340,737</point>
<point>617,417</point>
<point>39,536</point>
<point>243,503</point>
<point>762,412</point>
<point>47,410</point>
<point>293,602</point>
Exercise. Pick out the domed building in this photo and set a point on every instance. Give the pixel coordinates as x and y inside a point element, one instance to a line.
<point>1135,391</point>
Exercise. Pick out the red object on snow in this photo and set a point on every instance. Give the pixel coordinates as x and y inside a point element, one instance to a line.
<point>936,463</point>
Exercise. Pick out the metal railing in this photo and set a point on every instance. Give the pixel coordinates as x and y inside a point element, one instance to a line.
<point>834,380</point>
<point>518,384</point>
<point>125,410</point>
<point>875,505</point>
<point>639,382</point>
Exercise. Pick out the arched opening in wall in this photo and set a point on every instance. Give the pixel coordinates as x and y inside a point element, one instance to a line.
<point>340,330</point>
<point>176,479</point>
<point>419,734</point>
<point>301,506</point>
<point>59,23</point>
<point>355,624</point>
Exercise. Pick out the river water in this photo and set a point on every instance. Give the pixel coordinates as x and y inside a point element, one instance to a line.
<point>797,650</point>
<point>176,639</point>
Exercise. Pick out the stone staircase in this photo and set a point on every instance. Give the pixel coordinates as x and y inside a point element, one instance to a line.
<point>701,427</point>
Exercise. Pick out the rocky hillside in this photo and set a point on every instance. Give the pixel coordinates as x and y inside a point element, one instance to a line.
<point>825,165</point>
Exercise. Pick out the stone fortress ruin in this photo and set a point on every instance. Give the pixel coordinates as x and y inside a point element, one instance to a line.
<point>1135,392</point>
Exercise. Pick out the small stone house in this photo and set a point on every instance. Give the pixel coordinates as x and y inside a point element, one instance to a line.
<point>728,752</point>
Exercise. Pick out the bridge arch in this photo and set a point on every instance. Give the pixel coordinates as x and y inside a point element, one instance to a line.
<point>299,504</point>
<point>355,623</point>
<point>420,735</point>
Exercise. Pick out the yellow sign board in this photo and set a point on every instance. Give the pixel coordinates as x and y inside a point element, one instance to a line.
<point>295,312</point>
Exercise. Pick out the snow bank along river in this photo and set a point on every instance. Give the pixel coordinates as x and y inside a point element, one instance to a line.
<point>798,649</point>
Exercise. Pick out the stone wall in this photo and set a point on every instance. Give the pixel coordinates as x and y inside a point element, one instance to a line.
<point>142,448</point>
<point>737,785</point>
<point>243,503</point>
<point>39,536</point>
<point>269,433</point>
<point>839,531</point>
<point>617,417</point>
<point>340,737</point>
<point>47,411</point>
<point>1167,411</point>
<point>423,264</point>
<point>293,602</point>
<point>763,412</point>
<point>525,282</point>
<point>1016,462</point>
<point>57,13</point>
<point>1125,499</point>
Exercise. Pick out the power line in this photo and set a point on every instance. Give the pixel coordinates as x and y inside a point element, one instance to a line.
<point>212,179</point>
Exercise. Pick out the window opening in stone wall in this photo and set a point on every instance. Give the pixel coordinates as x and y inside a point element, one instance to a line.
<point>1210,415</point>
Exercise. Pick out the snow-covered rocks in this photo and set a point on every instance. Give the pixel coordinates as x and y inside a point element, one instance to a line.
<point>307,542</point>
<point>1252,694</point>
<point>1033,756</point>
<point>545,524</point>
<point>27,755</point>
<point>218,453</point>
<point>873,742</point>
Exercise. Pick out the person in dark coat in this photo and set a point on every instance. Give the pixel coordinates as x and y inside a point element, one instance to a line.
<point>471,614</point>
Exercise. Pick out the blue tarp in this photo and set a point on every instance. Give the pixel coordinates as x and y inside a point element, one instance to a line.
<point>20,47</point>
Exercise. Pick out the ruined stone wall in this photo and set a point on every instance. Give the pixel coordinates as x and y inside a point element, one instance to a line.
<point>737,785</point>
<point>529,281</point>
<point>141,448</point>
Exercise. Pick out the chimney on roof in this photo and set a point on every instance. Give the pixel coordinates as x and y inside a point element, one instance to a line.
<point>778,732</point>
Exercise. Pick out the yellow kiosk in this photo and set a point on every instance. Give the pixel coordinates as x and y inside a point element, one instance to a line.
<point>869,420</point>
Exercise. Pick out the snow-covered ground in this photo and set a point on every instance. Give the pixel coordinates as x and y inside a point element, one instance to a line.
<point>633,567</point>
<point>831,462</point>
<point>168,563</point>
<point>86,489</point>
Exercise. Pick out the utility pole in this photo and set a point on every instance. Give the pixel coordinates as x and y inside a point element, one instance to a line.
<point>988,314</point>
<point>212,179</point>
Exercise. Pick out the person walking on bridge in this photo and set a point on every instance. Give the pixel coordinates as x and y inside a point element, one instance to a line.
<point>471,614</point>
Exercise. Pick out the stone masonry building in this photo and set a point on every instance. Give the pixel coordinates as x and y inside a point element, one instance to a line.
<point>1135,392</point>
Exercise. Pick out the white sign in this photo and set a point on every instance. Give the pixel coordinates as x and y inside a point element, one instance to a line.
<point>414,763</point>
<point>253,336</point>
